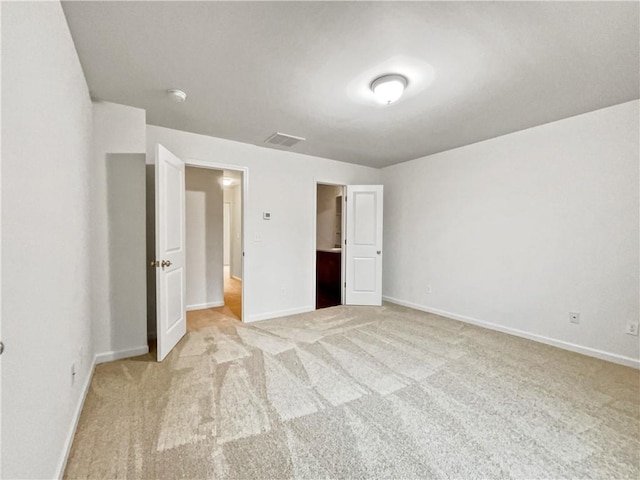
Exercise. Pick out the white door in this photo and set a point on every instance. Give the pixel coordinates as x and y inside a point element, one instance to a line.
<point>171,321</point>
<point>363,256</point>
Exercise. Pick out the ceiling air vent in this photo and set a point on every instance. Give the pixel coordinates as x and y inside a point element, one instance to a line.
<point>283,140</point>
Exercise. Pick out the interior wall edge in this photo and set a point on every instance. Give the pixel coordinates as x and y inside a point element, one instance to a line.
<point>202,306</point>
<point>554,342</point>
<point>277,314</point>
<point>523,229</point>
<point>77,412</point>
<point>120,354</point>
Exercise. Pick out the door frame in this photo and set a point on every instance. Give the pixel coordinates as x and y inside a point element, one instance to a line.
<point>244,195</point>
<point>314,244</point>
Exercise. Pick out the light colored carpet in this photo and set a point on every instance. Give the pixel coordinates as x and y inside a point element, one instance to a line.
<point>359,392</point>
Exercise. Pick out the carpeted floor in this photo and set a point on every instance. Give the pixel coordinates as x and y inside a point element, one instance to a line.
<point>359,392</point>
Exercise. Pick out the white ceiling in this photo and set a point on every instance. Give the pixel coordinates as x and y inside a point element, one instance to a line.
<point>476,70</point>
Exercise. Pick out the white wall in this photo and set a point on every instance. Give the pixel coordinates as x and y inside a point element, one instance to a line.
<point>116,129</point>
<point>46,225</point>
<point>280,253</point>
<point>520,230</point>
<point>204,240</point>
<point>235,268</point>
<point>326,216</point>
<point>127,249</point>
<point>226,233</point>
<point>233,196</point>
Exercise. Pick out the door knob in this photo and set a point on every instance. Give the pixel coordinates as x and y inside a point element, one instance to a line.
<point>379,252</point>
<point>166,263</point>
<point>1,348</point>
<point>155,263</point>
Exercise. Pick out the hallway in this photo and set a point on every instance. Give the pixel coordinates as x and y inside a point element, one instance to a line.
<point>232,308</point>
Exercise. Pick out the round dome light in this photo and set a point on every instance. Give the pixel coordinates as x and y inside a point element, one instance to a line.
<point>389,88</point>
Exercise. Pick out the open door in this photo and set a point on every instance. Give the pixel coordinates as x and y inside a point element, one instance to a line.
<point>363,258</point>
<point>171,321</point>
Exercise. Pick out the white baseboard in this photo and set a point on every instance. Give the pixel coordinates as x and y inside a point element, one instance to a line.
<point>202,306</point>
<point>591,352</point>
<point>68,443</point>
<point>131,352</point>
<point>276,314</point>
<point>237,278</point>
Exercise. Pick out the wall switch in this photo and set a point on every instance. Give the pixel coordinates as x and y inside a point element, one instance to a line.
<point>429,288</point>
<point>574,317</point>
<point>632,328</point>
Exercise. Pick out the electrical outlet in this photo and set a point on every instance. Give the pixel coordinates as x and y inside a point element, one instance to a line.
<point>428,289</point>
<point>632,328</point>
<point>574,317</point>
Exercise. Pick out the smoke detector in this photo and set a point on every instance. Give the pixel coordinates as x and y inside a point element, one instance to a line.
<point>177,95</point>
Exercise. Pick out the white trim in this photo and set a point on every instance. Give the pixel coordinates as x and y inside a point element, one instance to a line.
<point>130,352</point>
<point>68,443</point>
<point>201,306</point>
<point>279,313</point>
<point>572,347</point>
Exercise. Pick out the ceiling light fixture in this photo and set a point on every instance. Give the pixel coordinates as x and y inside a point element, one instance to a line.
<point>226,181</point>
<point>389,88</point>
<point>177,95</point>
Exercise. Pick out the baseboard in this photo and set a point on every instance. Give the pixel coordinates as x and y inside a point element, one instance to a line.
<point>237,278</point>
<point>276,314</point>
<point>68,443</point>
<point>202,306</point>
<point>111,356</point>
<point>591,352</point>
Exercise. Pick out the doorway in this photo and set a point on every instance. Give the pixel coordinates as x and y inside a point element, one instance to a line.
<point>169,242</point>
<point>213,223</point>
<point>329,243</point>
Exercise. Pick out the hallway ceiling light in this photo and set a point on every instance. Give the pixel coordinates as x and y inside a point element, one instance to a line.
<point>177,95</point>
<point>389,88</point>
<point>226,181</point>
